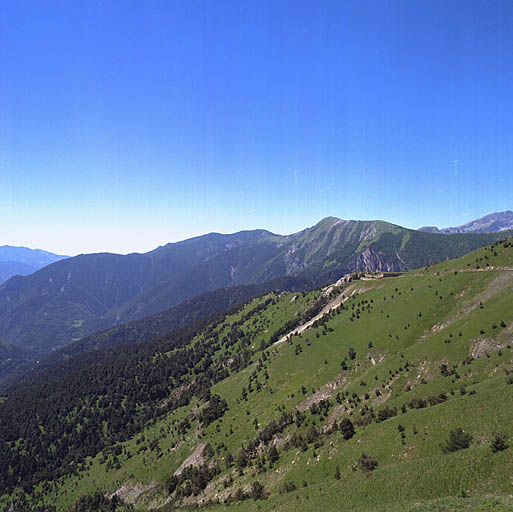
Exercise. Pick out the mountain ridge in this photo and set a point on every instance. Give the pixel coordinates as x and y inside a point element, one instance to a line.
<point>19,260</point>
<point>491,223</point>
<point>72,298</point>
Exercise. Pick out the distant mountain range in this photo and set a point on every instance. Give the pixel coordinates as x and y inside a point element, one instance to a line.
<point>77,296</point>
<point>23,261</point>
<point>494,222</point>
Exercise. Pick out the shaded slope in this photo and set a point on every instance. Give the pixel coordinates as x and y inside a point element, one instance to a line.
<point>14,268</point>
<point>11,358</point>
<point>23,261</point>
<point>137,331</point>
<point>66,300</point>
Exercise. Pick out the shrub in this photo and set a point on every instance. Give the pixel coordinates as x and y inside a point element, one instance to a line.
<point>499,443</point>
<point>366,463</point>
<point>458,440</point>
<point>288,487</point>
<point>257,491</point>
<point>347,428</point>
<point>386,413</point>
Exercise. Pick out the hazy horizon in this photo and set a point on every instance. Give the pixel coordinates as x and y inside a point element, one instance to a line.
<point>220,232</point>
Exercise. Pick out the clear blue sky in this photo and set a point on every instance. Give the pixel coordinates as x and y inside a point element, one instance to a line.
<point>129,124</point>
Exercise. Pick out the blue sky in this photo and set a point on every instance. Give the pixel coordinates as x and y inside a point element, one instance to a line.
<point>125,125</point>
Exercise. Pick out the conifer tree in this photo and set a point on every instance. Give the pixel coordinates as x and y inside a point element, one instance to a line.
<point>458,440</point>
<point>347,428</point>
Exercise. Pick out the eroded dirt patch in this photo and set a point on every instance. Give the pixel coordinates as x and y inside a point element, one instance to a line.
<point>130,492</point>
<point>196,458</point>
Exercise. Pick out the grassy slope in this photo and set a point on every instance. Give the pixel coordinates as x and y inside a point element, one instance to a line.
<point>453,297</point>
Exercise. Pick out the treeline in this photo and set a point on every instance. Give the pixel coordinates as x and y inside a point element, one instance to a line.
<point>137,331</point>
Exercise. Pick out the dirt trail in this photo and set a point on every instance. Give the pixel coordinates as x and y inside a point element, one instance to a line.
<point>346,294</point>
<point>488,269</point>
<point>335,303</point>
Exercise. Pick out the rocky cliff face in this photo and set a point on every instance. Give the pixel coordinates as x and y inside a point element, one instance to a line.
<point>370,260</point>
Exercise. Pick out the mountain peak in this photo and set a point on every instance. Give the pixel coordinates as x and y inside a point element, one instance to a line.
<point>491,223</point>
<point>330,221</point>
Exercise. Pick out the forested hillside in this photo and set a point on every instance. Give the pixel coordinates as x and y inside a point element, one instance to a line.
<point>153,326</point>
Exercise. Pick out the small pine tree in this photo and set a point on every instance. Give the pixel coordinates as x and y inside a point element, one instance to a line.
<point>171,484</point>
<point>367,463</point>
<point>347,428</point>
<point>458,440</point>
<point>257,491</point>
<point>337,473</point>
<point>208,451</point>
<point>499,443</point>
<point>273,454</point>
